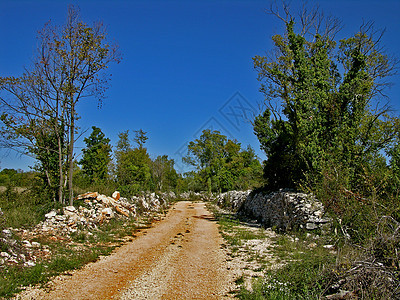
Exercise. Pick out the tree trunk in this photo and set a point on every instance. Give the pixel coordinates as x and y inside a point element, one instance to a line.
<point>71,153</point>
<point>60,170</point>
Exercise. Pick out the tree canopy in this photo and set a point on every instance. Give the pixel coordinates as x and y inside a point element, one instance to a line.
<point>221,164</point>
<point>39,108</point>
<point>96,155</point>
<point>321,98</point>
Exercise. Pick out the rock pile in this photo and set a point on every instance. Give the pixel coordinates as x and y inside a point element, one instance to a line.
<point>151,202</point>
<point>282,210</point>
<point>94,210</point>
<point>99,208</point>
<point>194,196</point>
<point>15,252</point>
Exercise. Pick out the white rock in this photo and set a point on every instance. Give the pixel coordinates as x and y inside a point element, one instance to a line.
<point>106,200</point>
<point>116,195</point>
<point>35,244</point>
<point>59,218</point>
<point>4,254</point>
<point>108,212</point>
<point>70,208</point>
<point>27,243</point>
<point>311,226</point>
<point>30,263</point>
<point>51,214</point>
<point>7,232</point>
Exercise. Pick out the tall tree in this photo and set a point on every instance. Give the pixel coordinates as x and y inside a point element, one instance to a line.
<point>68,68</point>
<point>164,175</point>
<point>96,156</point>
<point>133,166</point>
<point>319,98</point>
<point>140,138</point>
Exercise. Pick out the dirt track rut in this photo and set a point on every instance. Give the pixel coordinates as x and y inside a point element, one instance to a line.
<point>178,258</point>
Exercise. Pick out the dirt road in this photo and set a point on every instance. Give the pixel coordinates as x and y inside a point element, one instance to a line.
<point>178,258</point>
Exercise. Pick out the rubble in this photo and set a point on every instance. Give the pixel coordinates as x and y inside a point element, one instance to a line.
<point>99,208</point>
<point>15,252</point>
<point>95,210</point>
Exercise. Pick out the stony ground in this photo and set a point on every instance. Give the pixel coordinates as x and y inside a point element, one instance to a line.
<point>181,257</point>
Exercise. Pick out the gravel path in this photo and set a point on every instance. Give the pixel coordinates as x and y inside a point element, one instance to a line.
<point>178,258</point>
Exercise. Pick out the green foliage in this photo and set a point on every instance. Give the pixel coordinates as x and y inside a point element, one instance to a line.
<point>305,279</point>
<point>20,208</point>
<point>140,138</point>
<point>133,171</point>
<point>326,115</point>
<point>16,178</point>
<point>96,156</point>
<point>220,163</point>
<point>163,173</point>
<point>325,132</point>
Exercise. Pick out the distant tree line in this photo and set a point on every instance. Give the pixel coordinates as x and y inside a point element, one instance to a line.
<point>221,164</point>
<point>130,169</point>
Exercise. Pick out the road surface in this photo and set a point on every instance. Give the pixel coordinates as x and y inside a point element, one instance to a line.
<point>179,258</point>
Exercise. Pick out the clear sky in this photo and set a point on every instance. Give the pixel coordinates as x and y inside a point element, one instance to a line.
<point>187,65</point>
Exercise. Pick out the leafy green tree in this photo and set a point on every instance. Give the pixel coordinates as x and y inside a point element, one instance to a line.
<point>221,164</point>
<point>133,171</point>
<point>319,98</point>
<point>14,177</point>
<point>47,145</point>
<point>96,156</point>
<point>207,154</point>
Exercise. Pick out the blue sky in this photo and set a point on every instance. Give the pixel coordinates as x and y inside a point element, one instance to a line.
<point>187,65</point>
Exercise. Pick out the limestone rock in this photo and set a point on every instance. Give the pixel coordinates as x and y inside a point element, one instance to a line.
<point>108,212</point>
<point>51,214</point>
<point>108,201</point>
<point>284,210</point>
<point>116,195</point>
<point>88,195</point>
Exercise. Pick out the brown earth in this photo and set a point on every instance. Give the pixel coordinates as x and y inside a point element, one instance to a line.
<point>179,258</point>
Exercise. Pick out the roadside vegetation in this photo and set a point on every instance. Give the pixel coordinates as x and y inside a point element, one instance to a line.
<point>326,128</point>
<point>59,255</point>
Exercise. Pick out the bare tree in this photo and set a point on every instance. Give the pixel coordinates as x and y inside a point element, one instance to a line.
<point>68,68</point>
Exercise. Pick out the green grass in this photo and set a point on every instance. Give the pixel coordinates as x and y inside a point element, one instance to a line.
<point>306,271</point>
<point>305,275</point>
<point>83,247</point>
<point>19,209</point>
<point>13,278</point>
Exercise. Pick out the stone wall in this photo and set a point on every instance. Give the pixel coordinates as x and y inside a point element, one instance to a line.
<point>282,210</point>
